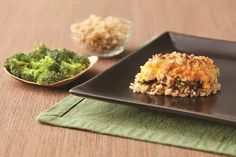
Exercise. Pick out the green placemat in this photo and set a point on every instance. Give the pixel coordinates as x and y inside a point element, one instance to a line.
<point>141,124</point>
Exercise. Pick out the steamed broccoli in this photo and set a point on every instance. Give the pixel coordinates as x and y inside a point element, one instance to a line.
<point>15,65</point>
<point>71,69</point>
<point>62,55</point>
<point>49,77</point>
<point>29,74</point>
<point>46,66</point>
<point>39,53</point>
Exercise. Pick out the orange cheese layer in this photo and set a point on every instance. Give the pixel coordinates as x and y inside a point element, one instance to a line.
<point>186,67</point>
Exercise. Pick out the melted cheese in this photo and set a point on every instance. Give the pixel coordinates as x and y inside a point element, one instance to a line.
<point>179,65</point>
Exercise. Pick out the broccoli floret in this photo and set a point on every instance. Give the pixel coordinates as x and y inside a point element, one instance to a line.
<point>34,64</point>
<point>49,77</point>
<point>68,53</point>
<point>22,57</point>
<point>46,66</point>
<point>62,55</point>
<point>39,53</point>
<point>15,66</point>
<point>29,74</point>
<point>80,59</point>
<point>71,69</point>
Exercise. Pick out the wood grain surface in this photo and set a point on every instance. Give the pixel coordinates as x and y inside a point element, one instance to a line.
<point>25,23</point>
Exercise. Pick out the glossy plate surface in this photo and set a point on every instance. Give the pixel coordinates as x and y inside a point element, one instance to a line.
<point>113,84</point>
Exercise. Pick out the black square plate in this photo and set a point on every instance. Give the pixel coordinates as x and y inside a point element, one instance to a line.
<point>113,84</point>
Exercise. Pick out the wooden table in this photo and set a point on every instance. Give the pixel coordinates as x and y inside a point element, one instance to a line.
<point>25,23</point>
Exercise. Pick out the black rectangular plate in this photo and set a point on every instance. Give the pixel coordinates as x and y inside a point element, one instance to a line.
<point>113,84</point>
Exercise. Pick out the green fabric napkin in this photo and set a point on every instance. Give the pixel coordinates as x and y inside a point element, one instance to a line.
<point>141,124</point>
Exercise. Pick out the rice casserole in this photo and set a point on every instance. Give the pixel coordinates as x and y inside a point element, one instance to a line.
<point>177,74</point>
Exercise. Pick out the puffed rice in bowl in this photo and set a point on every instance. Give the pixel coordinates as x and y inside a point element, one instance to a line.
<point>104,37</point>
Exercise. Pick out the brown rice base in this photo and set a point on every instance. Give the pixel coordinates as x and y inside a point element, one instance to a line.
<point>172,87</point>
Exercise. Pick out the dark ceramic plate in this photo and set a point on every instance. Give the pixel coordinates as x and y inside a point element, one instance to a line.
<point>113,84</point>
